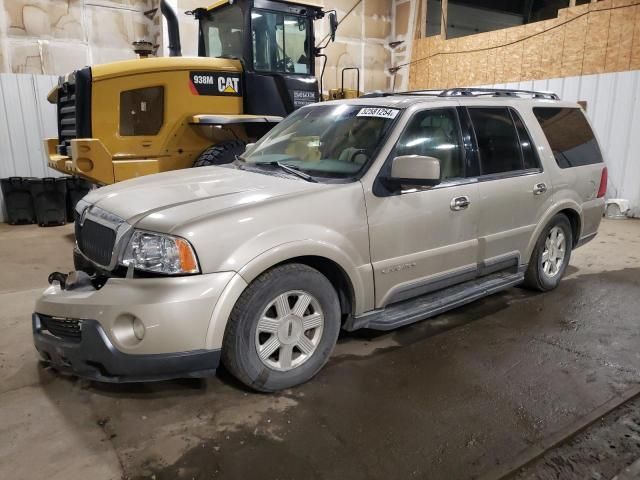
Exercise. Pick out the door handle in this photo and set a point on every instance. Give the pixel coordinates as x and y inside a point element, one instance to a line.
<point>460,203</point>
<point>539,189</point>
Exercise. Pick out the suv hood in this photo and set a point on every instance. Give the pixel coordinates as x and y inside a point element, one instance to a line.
<point>133,200</point>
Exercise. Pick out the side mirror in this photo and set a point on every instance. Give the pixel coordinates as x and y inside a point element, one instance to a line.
<point>333,25</point>
<point>248,147</point>
<point>415,170</point>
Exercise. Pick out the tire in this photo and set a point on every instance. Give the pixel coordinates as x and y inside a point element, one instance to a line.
<point>542,275</point>
<point>256,323</point>
<point>220,154</point>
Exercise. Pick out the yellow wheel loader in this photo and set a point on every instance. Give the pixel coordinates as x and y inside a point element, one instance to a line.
<point>126,119</point>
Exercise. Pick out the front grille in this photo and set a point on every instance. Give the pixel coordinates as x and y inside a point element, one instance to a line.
<point>66,117</point>
<point>74,109</point>
<point>95,241</point>
<point>63,328</point>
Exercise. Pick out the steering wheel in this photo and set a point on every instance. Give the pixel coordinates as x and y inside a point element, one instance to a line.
<point>285,65</point>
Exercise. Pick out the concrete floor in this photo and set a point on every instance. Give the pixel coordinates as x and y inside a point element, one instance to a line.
<point>455,397</point>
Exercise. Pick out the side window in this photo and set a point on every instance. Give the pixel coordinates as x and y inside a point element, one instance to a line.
<point>434,133</point>
<point>498,142</point>
<point>570,136</point>
<point>529,154</point>
<point>141,111</point>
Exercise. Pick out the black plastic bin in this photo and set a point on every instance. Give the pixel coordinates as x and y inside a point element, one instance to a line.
<point>76,189</point>
<point>50,200</point>
<point>18,200</point>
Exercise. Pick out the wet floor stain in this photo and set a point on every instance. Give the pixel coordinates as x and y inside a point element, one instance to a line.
<point>449,398</point>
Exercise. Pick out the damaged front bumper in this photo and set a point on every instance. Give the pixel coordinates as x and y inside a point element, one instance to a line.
<point>93,356</point>
<point>132,329</point>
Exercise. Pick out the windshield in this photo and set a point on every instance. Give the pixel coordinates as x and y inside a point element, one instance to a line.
<point>222,33</point>
<point>326,141</point>
<point>280,42</point>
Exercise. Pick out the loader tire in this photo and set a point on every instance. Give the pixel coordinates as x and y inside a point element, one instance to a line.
<point>220,154</point>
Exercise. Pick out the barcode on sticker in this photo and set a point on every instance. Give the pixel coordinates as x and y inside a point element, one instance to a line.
<point>378,112</point>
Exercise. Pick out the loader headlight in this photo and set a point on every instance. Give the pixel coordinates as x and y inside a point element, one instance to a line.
<point>160,253</point>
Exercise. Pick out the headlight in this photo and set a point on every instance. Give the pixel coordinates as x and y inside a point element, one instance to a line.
<point>156,252</point>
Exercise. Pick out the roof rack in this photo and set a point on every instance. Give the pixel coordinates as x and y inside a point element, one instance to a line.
<point>477,92</point>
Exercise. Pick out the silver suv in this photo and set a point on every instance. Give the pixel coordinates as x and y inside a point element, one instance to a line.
<point>368,213</point>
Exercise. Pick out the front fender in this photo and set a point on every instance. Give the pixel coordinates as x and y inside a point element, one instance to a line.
<point>361,278</point>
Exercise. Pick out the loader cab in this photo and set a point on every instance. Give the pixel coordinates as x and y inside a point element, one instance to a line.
<point>275,42</point>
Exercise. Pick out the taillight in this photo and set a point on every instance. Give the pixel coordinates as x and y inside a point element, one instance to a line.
<point>603,183</point>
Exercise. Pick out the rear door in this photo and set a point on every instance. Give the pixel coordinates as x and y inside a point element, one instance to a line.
<point>514,189</point>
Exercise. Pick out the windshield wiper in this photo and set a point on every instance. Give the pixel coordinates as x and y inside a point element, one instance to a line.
<point>292,170</point>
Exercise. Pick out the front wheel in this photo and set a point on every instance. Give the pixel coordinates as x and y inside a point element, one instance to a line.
<point>283,328</point>
<point>551,255</point>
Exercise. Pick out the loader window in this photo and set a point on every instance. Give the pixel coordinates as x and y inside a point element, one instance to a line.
<point>222,33</point>
<point>280,42</point>
<point>141,111</point>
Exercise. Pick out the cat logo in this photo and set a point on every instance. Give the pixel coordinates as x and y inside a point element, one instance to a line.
<point>220,84</point>
<point>228,84</point>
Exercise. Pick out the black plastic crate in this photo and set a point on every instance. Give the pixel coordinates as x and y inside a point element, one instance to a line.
<point>76,189</point>
<point>50,200</point>
<point>18,200</point>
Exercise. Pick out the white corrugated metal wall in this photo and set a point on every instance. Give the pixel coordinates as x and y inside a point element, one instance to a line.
<point>26,118</point>
<point>613,106</point>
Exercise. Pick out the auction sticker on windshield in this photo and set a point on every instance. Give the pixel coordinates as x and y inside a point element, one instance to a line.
<point>378,112</point>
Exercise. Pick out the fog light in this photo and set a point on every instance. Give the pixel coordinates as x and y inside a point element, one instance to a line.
<point>138,328</point>
<point>128,330</point>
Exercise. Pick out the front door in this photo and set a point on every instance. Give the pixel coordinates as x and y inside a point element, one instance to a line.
<point>424,239</point>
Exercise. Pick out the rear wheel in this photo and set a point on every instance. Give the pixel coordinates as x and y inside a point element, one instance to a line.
<point>220,154</point>
<point>282,329</point>
<point>551,255</point>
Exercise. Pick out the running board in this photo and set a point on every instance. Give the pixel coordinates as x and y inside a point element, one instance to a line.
<point>434,303</point>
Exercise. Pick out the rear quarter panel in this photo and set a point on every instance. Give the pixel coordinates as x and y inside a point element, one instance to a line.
<point>573,188</point>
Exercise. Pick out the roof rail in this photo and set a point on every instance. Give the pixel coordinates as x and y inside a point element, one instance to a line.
<point>477,92</point>
<point>497,92</point>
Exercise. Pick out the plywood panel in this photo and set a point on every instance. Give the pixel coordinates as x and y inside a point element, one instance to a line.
<point>513,54</point>
<point>532,51</point>
<point>595,52</point>
<point>449,62</point>
<point>575,32</point>
<point>635,47</point>
<point>614,39</point>
<point>626,28</point>
<point>592,38</point>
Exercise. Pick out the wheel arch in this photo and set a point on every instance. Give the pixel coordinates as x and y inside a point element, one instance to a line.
<point>353,286</point>
<point>576,224</point>
<point>336,276</point>
<point>573,212</point>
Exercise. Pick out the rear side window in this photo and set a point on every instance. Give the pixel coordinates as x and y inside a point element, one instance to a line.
<point>498,142</point>
<point>570,136</point>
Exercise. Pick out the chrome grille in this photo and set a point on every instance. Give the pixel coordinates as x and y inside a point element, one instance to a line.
<point>63,328</point>
<point>95,241</point>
